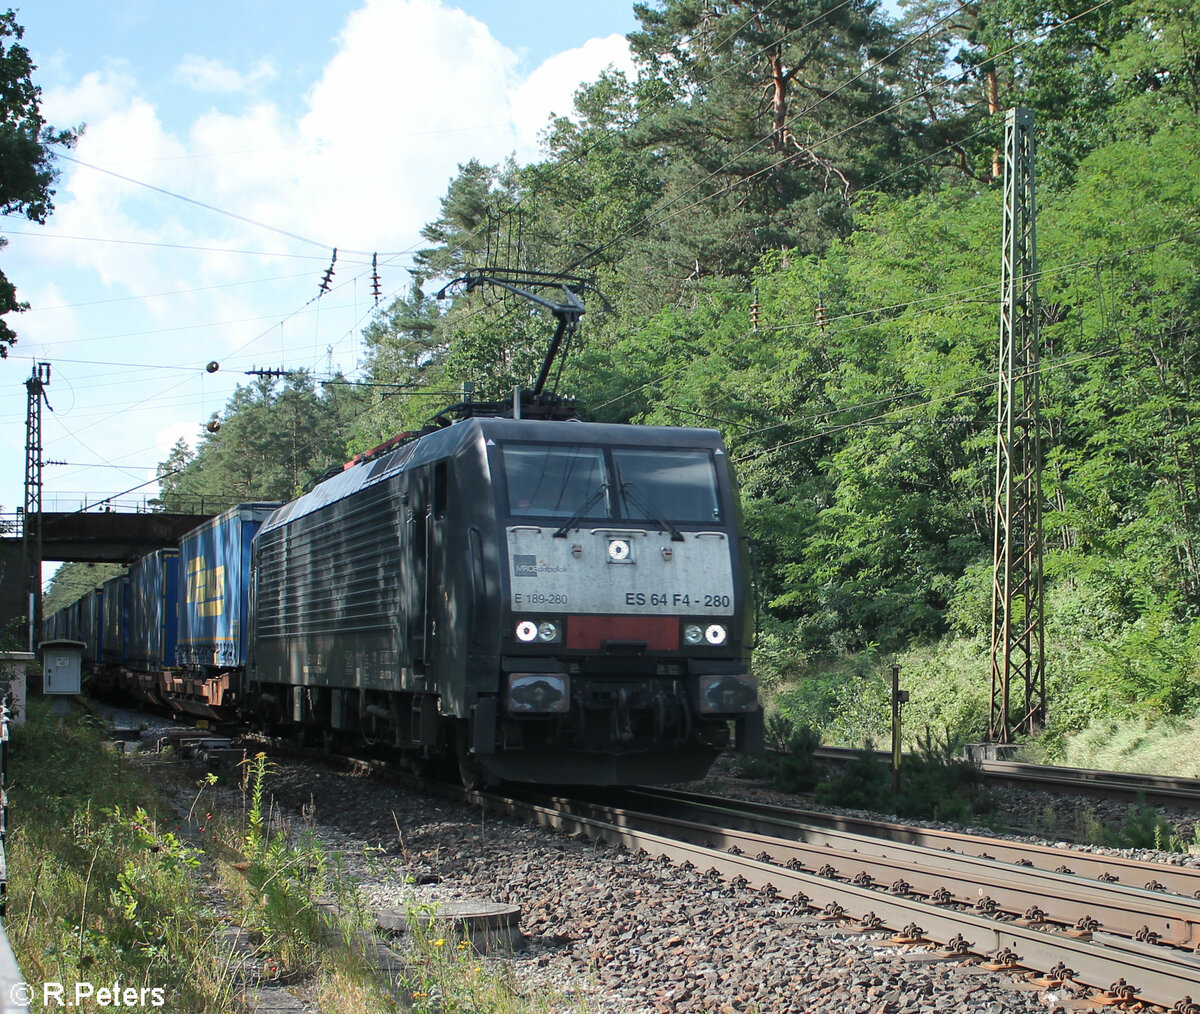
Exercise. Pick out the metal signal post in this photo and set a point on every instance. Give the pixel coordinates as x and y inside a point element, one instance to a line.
<point>1018,694</point>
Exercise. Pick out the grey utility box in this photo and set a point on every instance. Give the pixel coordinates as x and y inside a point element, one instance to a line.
<point>61,665</point>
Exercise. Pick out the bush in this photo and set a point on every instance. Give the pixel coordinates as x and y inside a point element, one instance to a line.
<point>791,767</point>
<point>936,784</point>
<point>939,784</point>
<point>864,783</point>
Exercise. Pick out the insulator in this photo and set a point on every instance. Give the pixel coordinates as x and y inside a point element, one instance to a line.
<point>213,425</point>
<point>822,319</point>
<point>329,273</point>
<point>213,366</point>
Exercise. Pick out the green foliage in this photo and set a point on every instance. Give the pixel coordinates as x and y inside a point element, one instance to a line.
<point>272,444</point>
<point>446,975</point>
<point>26,140</point>
<point>287,876</point>
<point>103,893</point>
<point>863,783</point>
<point>791,766</point>
<point>845,700</point>
<point>72,580</point>
<point>1142,827</point>
<point>935,784</point>
<point>939,784</point>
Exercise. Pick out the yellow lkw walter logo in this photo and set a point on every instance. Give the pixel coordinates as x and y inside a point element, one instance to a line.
<point>205,588</point>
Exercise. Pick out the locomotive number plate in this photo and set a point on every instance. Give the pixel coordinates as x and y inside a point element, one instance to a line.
<point>654,576</point>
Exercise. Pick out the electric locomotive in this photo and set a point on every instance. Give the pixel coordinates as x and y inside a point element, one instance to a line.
<point>556,602</point>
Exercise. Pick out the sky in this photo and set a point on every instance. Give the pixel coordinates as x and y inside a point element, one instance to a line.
<point>227,149</point>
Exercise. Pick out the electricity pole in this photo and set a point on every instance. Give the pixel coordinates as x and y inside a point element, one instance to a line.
<point>1018,647</point>
<point>31,527</point>
<point>31,521</point>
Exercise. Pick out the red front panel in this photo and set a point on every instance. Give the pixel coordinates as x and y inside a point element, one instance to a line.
<point>589,633</point>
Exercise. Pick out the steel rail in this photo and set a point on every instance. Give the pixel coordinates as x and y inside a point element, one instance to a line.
<point>771,817</point>
<point>1166,790</point>
<point>1158,975</point>
<point>1116,966</point>
<point>1158,789</point>
<point>988,885</point>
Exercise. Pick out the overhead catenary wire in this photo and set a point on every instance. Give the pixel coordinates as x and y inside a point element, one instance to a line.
<point>207,207</point>
<point>279,254</point>
<point>984,384</point>
<point>143,297</point>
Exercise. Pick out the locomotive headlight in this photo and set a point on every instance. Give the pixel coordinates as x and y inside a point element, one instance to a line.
<point>618,550</point>
<point>715,634</point>
<point>548,632</point>
<point>547,693</point>
<point>693,634</point>
<point>527,631</point>
<point>730,694</point>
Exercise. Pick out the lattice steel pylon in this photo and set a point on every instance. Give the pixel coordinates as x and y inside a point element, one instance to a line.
<point>31,522</point>
<point>1018,646</point>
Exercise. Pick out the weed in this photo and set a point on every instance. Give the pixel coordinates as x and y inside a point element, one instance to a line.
<point>105,893</point>
<point>936,783</point>
<point>792,766</point>
<point>1142,827</point>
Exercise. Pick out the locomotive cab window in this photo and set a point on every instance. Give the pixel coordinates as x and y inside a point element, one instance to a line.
<point>674,484</point>
<point>555,480</point>
<point>440,489</point>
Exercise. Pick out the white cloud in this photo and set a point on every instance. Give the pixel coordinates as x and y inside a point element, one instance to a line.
<point>415,88</point>
<point>208,75</point>
<point>550,89</point>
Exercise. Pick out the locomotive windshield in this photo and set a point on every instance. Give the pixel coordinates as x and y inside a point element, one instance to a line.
<point>553,480</point>
<point>676,485</point>
<point>564,481</point>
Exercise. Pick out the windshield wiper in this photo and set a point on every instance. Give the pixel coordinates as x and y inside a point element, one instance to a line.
<point>639,501</point>
<point>580,514</point>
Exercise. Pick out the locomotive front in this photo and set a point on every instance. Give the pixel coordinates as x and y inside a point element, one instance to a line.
<point>627,605</point>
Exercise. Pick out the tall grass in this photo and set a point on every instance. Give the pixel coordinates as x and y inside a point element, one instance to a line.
<point>1168,746</point>
<point>101,889</point>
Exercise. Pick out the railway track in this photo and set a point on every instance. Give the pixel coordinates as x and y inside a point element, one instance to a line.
<point>1159,790</point>
<point>1127,929</point>
<point>1127,942</point>
<point>793,822</point>
<point>1128,935</point>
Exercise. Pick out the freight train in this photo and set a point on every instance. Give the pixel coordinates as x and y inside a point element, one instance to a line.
<point>539,598</point>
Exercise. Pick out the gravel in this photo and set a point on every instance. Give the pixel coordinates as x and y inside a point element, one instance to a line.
<point>621,931</point>
<point>617,932</point>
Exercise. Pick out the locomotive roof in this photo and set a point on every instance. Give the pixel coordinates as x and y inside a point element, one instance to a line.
<point>447,442</point>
